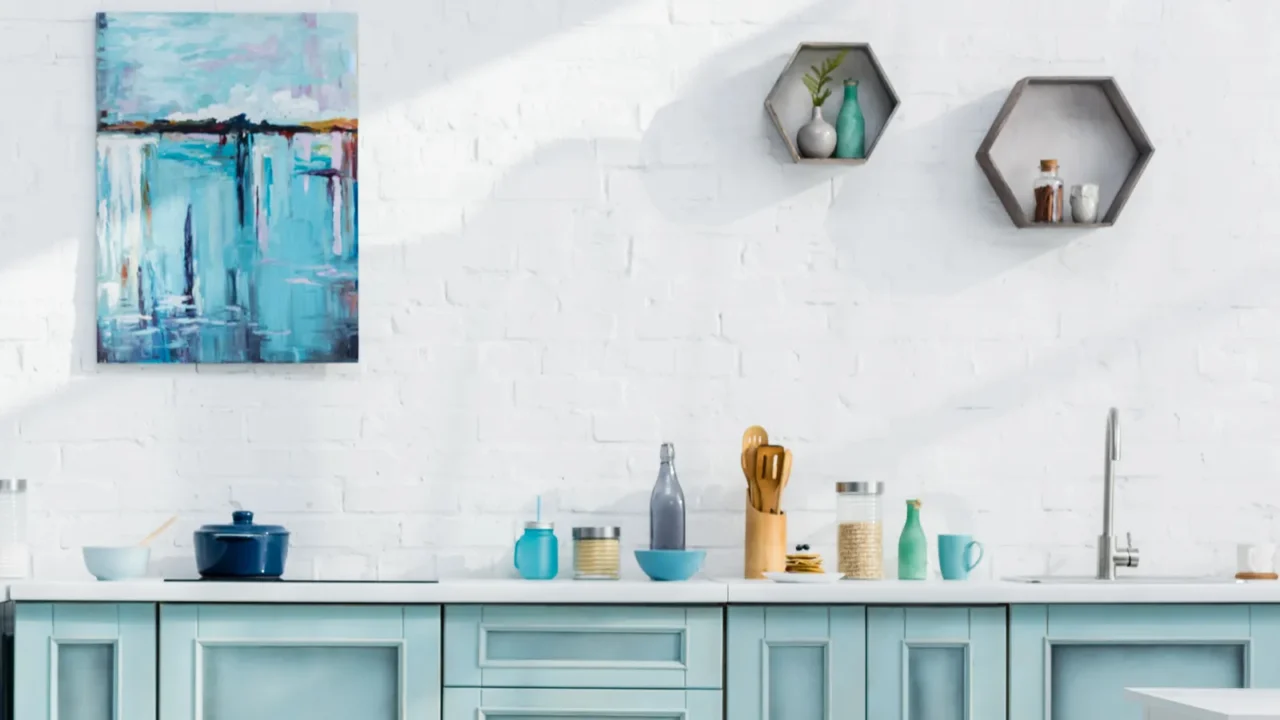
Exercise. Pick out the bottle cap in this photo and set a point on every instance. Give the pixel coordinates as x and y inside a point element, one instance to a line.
<point>1048,165</point>
<point>668,452</point>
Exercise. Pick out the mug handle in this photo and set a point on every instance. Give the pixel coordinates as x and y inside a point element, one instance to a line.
<point>515,555</point>
<point>981,552</point>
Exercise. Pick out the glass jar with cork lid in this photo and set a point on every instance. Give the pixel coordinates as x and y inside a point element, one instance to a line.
<point>1049,193</point>
<point>860,544</point>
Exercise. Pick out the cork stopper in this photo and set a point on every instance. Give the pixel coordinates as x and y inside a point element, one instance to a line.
<point>1049,165</point>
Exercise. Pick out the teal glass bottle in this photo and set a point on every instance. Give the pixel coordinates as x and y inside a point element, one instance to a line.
<point>913,549</point>
<point>851,127</point>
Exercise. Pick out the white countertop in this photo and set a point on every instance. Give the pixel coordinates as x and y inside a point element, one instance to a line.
<point>643,592</point>
<point>1205,704</point>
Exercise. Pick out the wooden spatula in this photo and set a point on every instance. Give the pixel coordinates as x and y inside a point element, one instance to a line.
<point>769,459</point>
<point>752,438</point>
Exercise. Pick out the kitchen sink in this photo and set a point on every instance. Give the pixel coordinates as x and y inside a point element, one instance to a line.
<point>1122,580</point>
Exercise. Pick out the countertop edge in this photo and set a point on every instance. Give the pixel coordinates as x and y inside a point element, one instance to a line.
<point>642,592</point>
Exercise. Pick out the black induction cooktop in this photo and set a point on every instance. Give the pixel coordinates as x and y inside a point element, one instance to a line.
<point>300,581</point>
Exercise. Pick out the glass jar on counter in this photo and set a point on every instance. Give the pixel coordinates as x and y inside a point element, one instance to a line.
<point>597,553</point>
<point>15,557</point>
<point>860,544</point>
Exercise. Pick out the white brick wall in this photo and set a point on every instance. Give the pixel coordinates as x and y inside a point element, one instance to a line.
<point>579,240</point>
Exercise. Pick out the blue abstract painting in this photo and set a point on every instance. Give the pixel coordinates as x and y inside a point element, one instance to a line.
<point>227,193</point>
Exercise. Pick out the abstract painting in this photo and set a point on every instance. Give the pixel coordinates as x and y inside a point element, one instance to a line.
<point>227,194</point>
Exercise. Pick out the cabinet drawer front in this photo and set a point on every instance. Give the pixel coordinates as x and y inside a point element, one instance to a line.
<point>583,647</point>
<point>263,662</point>
<point>527,704</point>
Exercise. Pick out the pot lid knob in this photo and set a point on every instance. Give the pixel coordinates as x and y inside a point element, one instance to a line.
<point>242,517</point>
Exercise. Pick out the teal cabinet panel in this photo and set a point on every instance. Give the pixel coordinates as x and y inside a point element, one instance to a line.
<point>1072,662</point>
<point>583,647</point>
<point>78,661</point>
<point>548,704</point>
<point>796,663</point>
<point>321,662</point>
<point>936,663</point>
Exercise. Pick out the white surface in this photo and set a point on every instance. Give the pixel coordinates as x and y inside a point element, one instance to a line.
<point>787,578</point>
<point>890,592</point>
<point>578,240</point>
<point>555,592</point>
<point>1206,704</point>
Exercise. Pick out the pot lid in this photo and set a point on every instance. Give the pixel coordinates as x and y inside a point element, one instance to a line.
<point>242,522</point>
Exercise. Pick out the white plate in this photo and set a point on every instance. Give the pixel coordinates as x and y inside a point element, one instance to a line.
<point>786,577</point>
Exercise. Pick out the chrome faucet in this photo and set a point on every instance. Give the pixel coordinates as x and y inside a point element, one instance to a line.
<point>1110,556</point>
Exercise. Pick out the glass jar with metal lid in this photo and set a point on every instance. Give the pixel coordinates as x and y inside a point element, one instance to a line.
<point>861,530</point>
<point>15,559</point>
<point>597,553</point>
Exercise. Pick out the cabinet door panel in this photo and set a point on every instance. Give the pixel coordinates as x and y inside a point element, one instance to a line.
<point>936,663</point>
<point>84,661</point>
<point>1074,661</point>
<point>592,704</point>
<point>321,662</point>
<point>797,663</point>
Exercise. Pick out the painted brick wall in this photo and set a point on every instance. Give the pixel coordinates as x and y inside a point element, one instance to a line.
<point>579,238</point>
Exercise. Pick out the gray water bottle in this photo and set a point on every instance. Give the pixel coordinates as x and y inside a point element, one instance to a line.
<point>666,505</point>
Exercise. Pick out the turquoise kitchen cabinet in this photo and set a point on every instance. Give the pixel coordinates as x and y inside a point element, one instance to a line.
<point>797,663</point>
<point>936,663</point>
<point>614,647</point>
<point>320,662</point>
<point>84,661</point>
<point>1072,662</point>
<point>544,704</point>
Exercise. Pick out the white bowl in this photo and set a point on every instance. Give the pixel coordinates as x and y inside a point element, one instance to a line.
<point>117,563</point>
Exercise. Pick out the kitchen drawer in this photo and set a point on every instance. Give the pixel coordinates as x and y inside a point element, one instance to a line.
<point>583,646</point>
<point>523,704</point>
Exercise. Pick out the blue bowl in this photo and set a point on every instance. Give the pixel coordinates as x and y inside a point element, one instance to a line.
<point>670,564</point>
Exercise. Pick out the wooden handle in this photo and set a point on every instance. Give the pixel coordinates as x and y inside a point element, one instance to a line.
<point>766,544</point>
<point>158,531</point>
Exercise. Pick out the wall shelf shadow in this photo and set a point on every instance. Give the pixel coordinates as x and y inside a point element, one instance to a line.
<point>1086,124</point>
<point>789,105</point>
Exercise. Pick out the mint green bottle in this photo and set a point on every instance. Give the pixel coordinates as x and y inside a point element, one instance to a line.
<point>913,549</point>
<point>851,128</point>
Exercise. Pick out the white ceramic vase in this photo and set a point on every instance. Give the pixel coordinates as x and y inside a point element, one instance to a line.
<point>1084,203</point>
<point>817,139</point>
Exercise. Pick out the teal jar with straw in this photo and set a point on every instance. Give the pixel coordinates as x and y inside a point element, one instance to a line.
<point>537,552</point>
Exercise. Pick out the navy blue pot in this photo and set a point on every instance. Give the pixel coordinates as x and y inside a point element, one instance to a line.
<point>241,550</point>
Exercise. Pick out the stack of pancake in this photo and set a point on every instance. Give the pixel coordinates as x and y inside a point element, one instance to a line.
<point>803,561</point>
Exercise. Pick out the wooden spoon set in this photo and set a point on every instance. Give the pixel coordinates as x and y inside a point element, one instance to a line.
<point>767,469</point>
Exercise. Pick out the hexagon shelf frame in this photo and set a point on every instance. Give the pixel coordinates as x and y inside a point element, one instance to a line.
<point>1043,118</point>
<point>789,105</point>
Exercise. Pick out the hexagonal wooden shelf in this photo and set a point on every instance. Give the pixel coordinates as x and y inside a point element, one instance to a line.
<point>789,104</point>
<point>1083,122</point>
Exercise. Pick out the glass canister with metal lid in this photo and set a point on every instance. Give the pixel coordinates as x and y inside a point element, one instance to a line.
<point>597,553</point>
<point>861,530</point>
<point>15,558</point>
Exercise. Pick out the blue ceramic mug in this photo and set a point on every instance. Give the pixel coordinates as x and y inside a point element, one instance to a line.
<point>954,553</point>
<point>537,554</point>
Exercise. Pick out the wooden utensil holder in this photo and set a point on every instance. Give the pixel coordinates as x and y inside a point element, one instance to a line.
<point>766,543</point>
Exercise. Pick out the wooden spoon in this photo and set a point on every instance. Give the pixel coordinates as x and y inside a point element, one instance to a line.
<point>769,476</point>
<point>158,531</point>
<point>752,438</point>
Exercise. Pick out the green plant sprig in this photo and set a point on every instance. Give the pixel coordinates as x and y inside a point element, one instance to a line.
<point>818,77</point>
